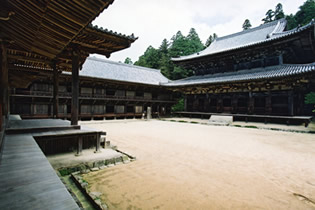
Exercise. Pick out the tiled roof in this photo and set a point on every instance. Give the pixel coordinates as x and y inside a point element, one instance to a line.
<point>105,30</point>
<point>104,69</point>
<point>271,72</point>
<point>258,35</point>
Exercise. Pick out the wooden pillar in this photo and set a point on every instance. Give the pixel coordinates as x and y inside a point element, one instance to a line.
<point>300,104</point>
<point>80,144</point>
<point>290,103</point>
<point>98,143</point>
<point>251,103</point>
<point>234,101</point>
<point>185,102</point>
<point>75,89</point>
<point>55,90</point>
<point>4,81</point>
<point>268,106</point>
<point>219,103</point>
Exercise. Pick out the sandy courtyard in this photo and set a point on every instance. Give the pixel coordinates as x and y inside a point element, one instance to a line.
<point>192,166</point>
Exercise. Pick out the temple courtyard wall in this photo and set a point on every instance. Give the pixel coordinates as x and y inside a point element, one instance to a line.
<point>195,166</point>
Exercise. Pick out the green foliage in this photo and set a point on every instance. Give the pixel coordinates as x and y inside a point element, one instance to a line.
<point>250,126</point>
<point>128,61</point>
<point>310,99</point>
<point>291,22</point>
<point>246,25</point>
<point>279,12</point>
<point>180,106</point>
<point>150,58</point>
<point>269,16</point>
<point>179,45</point>
<point>194,122</point>
<point>302,17</point>
<point>211,39</point>
<point>306,13</point>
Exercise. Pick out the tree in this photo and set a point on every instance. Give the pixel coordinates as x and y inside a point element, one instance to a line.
<point>278,14</point>
<point>128,61</point>
<point>194,42</point>
<point>180,106</point>
<point>164,47</point>
<point>246,25</point>
<point>211,39</point>
<point>149,59</point>
<point>303,16</point>
<point>269,16</point>
<point>178,46</point>
<point>306,13</point>
<point>310,99</point>
<point>291,22</point>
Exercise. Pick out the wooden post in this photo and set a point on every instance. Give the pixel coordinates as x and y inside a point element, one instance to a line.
<point>75,89</point>
<point>80,143</point>
<point>185,102</point>
<point>290,103</point>
<point>98,143</point>
<point>4,81</point>
<point>251,103</point>
<point>55,90</point>
<point>268,106</point>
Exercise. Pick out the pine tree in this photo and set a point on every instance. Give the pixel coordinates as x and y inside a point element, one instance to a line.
<point>128,61</point>
<point>164,47</point>
<point>194,42</point>
<point>150,58</point>
<point>306,13</point>
<point>278,14</point>
<point>303,16</point>
<point>246,25</point>
<point>211,39</point>
<point>269,16</point>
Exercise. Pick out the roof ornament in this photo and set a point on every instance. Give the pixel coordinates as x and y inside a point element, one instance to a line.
<point>9,15</point>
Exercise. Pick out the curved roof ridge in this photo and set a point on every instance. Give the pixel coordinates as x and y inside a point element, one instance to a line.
<point>105,30</point>
<point>265,25</point>
<point>246,40</point>
<point>110,70</point>
<point>261,73</point>
<point>123,64</point>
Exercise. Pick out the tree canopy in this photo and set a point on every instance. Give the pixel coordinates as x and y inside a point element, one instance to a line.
<point>303,16</point>
<point>211,39</point>
<point>128,61</point>
<point>179,45</point>
<point>246,25</point>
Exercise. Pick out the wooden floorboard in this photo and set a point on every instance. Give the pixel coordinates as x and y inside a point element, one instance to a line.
<point>27,180</point>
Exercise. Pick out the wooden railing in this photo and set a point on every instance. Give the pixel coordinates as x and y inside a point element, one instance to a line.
<point>88,96</point>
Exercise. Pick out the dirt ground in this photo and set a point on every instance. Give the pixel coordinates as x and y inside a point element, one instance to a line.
<point>193,166</point>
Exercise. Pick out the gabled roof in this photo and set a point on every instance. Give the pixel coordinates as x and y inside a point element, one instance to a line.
<point>109,70</point>
<point>272,72</point>
<point>258,35</point>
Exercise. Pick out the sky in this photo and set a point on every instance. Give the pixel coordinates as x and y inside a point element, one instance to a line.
<point>154,20</point>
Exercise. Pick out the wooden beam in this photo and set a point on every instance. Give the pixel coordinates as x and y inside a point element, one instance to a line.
<point>75,88</point>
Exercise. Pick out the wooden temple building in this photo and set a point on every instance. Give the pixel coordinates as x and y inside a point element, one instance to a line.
<point>108,90</point>
<point>262,71</point>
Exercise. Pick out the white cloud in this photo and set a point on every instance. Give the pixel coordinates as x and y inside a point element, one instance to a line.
<point>153,20</point>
